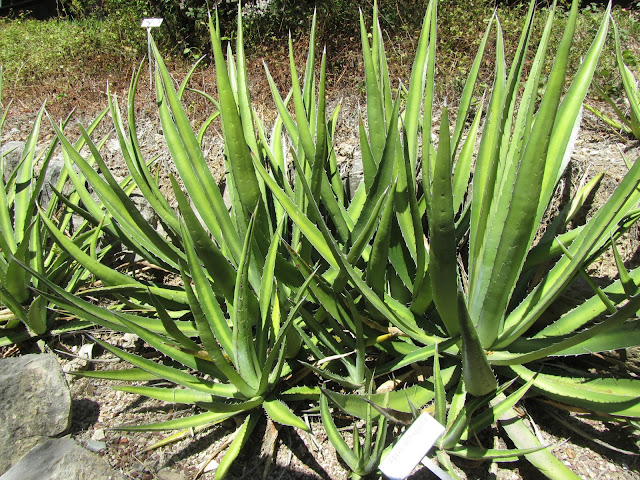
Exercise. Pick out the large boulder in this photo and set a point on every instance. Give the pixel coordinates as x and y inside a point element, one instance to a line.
<point>35,404</point>
<point>61,459</point>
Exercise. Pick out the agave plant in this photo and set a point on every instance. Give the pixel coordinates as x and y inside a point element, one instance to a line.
<point>230,327</point>
<point>473,275</point>
<point>24,240</point>
<point>297,276</point>
<point>473,279</point>
<point>259,282</point>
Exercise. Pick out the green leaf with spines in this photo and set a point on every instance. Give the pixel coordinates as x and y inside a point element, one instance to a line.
<point>618,397</point>
<point>171,395</point>
<point>132,155</point>
<point>243,347</point>
<point>379,257</point>
<point>140,234</point>
<point>280,413</point>
<point>630,287</point>
<point>498,408</point>
<point>24,183</point>
<point>210,344</point>
<point>161,344</point>
<point>543,460</point>
<point>311,232</point>
<point>492,454</point>
<point>192,421</point>
<point>462,169</point>
<point>241,436</point>
<point>190,163</point>
<point>347,455</point>
<point>237,131</point>
<point>618,338</point>
<point>232,406</point>
<point>172,374</point>
<point>478,377</point>
<point>595,232</point>
<point>486,160</point>
<point>443,256</point>
<point>375,108</point>
<point>207,300</point>
<point>630,86</point>
<point>440,398</point>
<point>134,374</point>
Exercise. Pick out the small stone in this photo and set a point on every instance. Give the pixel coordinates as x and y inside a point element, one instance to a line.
<point>84,353</point>
<point>113,145</point>
<point>96,446</point>
<point>168,474</point>
<point>211,466</point>
<point>129,339</point>
<point>98,435</point>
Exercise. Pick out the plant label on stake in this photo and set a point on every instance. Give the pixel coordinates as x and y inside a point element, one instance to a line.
<point>411,449</point>
<point>150,23</point>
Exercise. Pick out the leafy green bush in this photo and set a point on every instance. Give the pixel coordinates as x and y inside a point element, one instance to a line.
<point>337,20</point>
<point>298,276</point>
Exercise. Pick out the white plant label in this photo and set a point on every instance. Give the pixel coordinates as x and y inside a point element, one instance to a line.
<point>412,447</point>
<point>151,22</point>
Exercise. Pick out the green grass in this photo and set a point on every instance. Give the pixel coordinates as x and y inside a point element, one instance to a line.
<point>60,55</point>
<point>65,52</point>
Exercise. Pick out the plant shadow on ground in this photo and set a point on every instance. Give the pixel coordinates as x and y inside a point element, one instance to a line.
<point>567,426</point>
<point>84,414</point>
<point>255,462</point>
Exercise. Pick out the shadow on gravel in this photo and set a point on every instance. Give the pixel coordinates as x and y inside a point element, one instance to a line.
<point>252,462</point>
<point>84,413</point>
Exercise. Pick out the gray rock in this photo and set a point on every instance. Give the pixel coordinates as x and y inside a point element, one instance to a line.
<point>354,177</point>
<point>96,446</point>
<point>12,153</point>
<point>145,209</point>
<point>98,435</point>
<point>128,340</point>
<point>51,176</point>
<point>61,459</point>
<point>36,404</point>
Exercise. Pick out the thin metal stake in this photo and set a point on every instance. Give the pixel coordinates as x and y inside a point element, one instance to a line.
<point>150,70</point>
<point>149,23</point>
